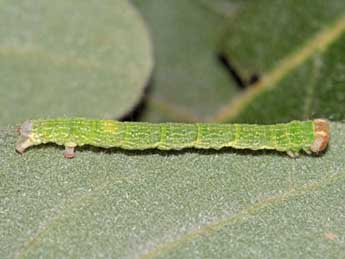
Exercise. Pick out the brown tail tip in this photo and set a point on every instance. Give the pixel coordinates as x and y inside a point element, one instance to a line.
<point>321,135</point>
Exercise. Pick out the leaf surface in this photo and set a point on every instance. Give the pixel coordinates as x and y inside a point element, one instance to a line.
<point>126,204</point>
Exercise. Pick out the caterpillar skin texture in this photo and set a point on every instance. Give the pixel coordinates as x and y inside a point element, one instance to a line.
<point>292,137</point>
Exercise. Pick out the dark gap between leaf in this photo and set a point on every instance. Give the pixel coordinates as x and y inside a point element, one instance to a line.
<point>253,79</point>
<point>232,71</point>
<point>136,113</point>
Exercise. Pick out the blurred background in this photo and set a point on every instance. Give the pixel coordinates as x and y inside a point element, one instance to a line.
<point>219,61</point>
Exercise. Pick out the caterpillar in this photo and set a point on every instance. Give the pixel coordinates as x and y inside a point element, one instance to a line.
<point>309,136</point>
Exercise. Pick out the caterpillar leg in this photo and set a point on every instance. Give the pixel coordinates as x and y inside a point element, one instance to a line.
<point>292,154</point>
<point>69,152</point>
<point>307,151</point>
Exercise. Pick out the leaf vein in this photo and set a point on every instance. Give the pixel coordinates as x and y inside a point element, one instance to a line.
<point>241,216</point>
<point>319,43</point>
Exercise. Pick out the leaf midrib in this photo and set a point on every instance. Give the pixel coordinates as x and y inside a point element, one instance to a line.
<point>249,211</point>
<point>243,215</point>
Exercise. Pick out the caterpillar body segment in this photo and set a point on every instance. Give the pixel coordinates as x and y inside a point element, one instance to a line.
<point>293,137</point>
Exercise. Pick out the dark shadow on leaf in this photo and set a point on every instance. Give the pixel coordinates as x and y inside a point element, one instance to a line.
<point>138,110</point>
<point>149,152</point>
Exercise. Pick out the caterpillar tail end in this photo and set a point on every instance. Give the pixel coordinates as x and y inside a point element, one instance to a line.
<point>24,141</point>
<point>321,134</point>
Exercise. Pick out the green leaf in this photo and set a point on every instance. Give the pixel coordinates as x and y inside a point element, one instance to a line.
<point>80,58</point>
<point>298,52</point>
<point>189,82</point>
<point>209,204</point>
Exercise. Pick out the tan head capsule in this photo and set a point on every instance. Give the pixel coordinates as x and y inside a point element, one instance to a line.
<point>321,134</point>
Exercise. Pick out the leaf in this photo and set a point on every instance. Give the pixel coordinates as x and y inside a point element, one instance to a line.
<point>298,52</point>
<point>80,58</point>
<point>189,83</point>
<point>208,204</point>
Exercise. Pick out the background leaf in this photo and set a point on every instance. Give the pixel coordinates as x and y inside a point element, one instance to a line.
<point>293,48</point>
<point>299,57</point>
<point>171,204</point>
<point>71,58</point>
<point>189,82</point>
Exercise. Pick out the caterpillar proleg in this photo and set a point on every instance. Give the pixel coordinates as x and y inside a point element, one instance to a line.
<point>293,137</point>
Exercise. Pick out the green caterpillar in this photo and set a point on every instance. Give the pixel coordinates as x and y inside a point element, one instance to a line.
<point>292,137</point>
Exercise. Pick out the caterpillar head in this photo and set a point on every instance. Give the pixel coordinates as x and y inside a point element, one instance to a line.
<point>25,137</point>
<point>321,134</point>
